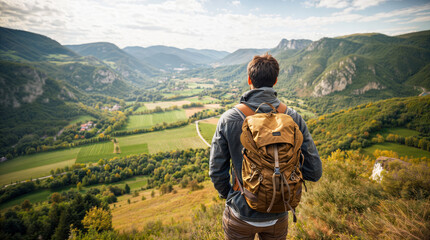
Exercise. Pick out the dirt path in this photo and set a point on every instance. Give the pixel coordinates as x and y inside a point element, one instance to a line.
<point>200,135</point>
<point>34,179</point>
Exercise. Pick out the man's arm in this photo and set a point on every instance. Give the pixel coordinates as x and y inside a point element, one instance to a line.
<point>312,166</point>
<point>219,162</point>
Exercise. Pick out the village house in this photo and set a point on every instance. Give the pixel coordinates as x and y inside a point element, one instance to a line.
<point>86,126</point>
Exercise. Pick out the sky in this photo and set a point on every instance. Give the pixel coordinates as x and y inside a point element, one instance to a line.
<point>211,24</point>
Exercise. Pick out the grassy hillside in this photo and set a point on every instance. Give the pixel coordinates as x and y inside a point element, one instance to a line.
<point>128,66</point>
<point>169,209</point>
<point>22,45</point>
<point>361,126</point>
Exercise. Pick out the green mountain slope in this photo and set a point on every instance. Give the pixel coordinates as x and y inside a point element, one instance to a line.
<point>22,45</point>
<point>239,56</point>
<point>128,66</point>
<point>61,63</point>
<point>165,57</point>
<point>358,127</point>
<point>32,104</point>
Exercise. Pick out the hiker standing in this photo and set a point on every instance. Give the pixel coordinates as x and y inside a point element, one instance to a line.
<point>287,156</point>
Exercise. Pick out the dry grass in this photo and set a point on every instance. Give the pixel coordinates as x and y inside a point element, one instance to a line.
<point>169,208</point>
<point>211,121</point>
<point>166,104</point>
<point>190,111</point>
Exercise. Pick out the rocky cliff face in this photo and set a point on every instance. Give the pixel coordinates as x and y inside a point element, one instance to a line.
<point>337,79</point>
<point>293,44</point>
<point>104,76</point>
<point>369,86</point>
<point>28,86</point>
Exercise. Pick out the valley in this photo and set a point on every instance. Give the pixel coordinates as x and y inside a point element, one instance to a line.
<point>118,129</point>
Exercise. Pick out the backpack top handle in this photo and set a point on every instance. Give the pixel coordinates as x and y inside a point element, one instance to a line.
<point>273,108</point>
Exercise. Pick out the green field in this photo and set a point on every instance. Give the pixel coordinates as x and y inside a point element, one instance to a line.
<point>82,119</point>
<point>35,165</point>
<point>167,140</point>
<point>204,100</point>
<point>404,132</point>
<point>141,109</point>
<point>95,152</point>
<point>207,130</point>
<point>149,120</point>
<point>402,150</point>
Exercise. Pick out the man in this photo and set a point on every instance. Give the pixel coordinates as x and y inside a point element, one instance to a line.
<point>239,220</point>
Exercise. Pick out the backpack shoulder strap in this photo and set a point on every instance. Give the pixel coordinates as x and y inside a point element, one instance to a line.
<point>282,108</point>
<point>247,111</point>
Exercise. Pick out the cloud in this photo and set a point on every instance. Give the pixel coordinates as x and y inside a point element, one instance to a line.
<point>235,3</point>
<point>187,23</point>
<point>420,19</point>
<point>342,4</point>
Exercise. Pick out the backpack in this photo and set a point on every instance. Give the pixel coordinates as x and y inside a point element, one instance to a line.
<point>272,180</point>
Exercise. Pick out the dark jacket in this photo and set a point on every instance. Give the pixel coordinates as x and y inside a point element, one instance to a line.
<point>226,145</point>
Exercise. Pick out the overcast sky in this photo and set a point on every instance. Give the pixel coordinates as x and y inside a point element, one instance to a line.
<point>210,24</point>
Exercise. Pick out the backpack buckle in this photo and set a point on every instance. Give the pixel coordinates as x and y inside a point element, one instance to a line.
<point>277,172</point>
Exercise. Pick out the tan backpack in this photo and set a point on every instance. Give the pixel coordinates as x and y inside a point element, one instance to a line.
<point>272,180</point>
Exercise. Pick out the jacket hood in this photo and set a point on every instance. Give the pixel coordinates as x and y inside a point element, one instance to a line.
<point>253,98</point>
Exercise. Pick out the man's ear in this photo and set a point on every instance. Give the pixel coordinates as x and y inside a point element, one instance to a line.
<point>249,81</point>
<point>276,81</point>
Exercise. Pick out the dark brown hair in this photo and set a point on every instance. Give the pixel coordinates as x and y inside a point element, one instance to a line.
<point>263,71</point>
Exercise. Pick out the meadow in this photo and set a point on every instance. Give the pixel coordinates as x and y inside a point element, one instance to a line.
<point>166,140</point>
<point>81,119</point>
<point>36,165</point>
<point>149,120</point>
<point>94,152</point>
<point>404,132</point>
<point>402,150</point>
<point>207,130</point>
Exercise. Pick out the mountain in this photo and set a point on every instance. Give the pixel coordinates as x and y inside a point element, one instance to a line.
<point>58,62</point>
<point>214,54</point>
<point>294,44</point>
<point>158,56</point>
<point>128,66</point>
<point>347,70</point>
<point>167,61</point>
<point>357,65</point>
<point>17,45</point>
<point>239,56</point>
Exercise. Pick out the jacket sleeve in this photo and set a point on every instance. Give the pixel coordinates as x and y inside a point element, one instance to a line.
<point>312,166</point>
<point>219,162</point>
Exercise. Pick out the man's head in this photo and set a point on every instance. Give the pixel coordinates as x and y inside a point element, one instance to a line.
<point>263,71</point>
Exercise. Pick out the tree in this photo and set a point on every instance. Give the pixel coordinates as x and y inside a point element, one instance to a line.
<point>79,186</point>
<point>107,167</point>
<point>98,219</point>
<point>56,197</point>
<point>127,188</point>
<point>26,205</point>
